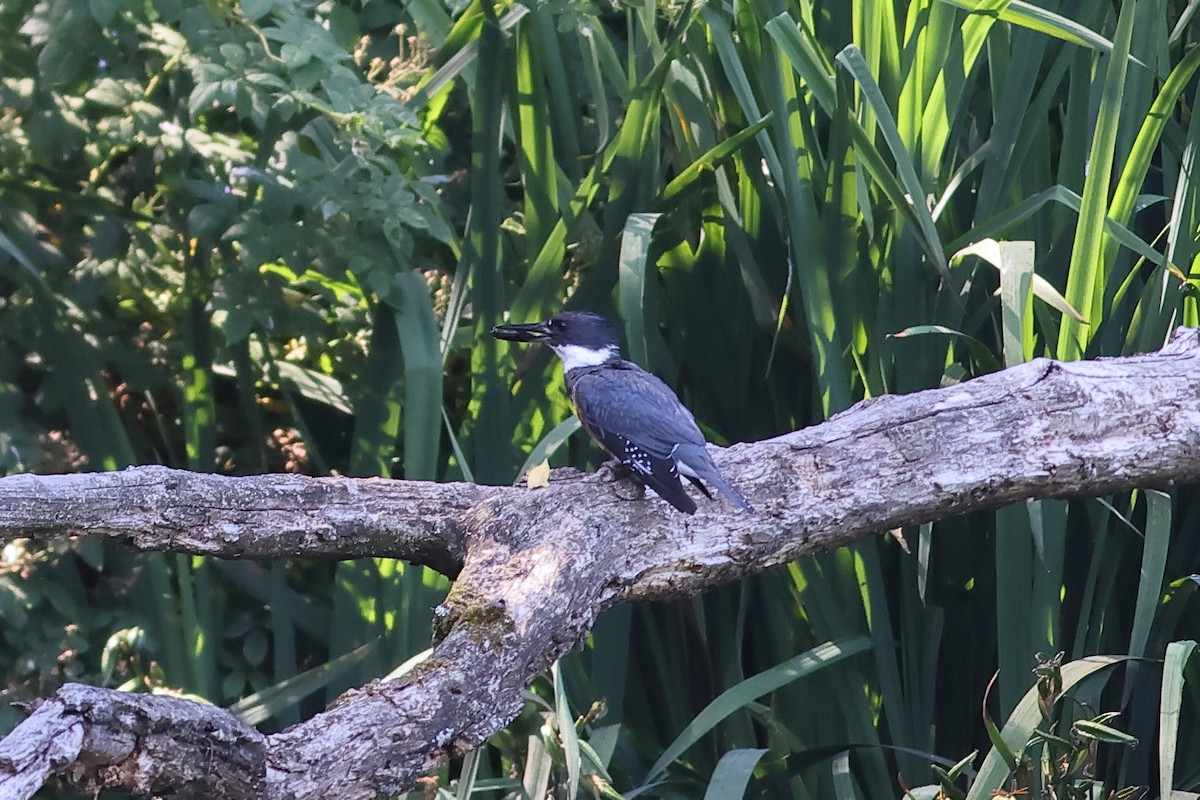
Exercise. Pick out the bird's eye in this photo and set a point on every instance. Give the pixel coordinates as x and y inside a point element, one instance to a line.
<point>557,324</point>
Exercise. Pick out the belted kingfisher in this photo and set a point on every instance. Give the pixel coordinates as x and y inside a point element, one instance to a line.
<point>631,414</point>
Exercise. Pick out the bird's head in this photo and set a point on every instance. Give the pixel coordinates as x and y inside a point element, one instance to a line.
<point>579,338</point>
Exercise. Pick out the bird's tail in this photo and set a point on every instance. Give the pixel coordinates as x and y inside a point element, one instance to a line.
<point>733,494</point>
<point>696,459</point>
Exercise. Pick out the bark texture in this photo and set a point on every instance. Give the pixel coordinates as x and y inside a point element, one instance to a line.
<point>534,568</point>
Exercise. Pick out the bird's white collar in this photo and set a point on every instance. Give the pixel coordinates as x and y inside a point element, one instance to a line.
<point>574,356</point>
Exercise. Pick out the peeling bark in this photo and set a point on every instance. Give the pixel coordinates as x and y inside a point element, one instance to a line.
<point>100,739</point>
<point>534,568</point>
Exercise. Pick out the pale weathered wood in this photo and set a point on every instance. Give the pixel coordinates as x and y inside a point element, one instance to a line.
<point>259,516</point>
<point>535,567</point>
<point>150,744</point>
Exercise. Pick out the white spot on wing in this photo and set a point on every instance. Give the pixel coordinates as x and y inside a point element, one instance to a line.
<point>635,457</point>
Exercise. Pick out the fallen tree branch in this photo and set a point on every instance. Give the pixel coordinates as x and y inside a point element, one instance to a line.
<point>258,516</point>
<point>537,566</point>
<point>97,738</point>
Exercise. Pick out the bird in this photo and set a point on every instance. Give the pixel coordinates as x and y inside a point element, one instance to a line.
<point>634,417</point>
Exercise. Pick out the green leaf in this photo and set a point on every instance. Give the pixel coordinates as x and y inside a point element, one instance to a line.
<point>1085,275</point>
<point>257,9</point>
<point>980,352</point>
<point>808,61</point>
<point>631,271</point>
<point>470,769</point>
<point>733,773</point>
<point>316,386</point>
<point>851,59</point>
<point>751,688</point>
<point>1155,546</point>
<point>1132,180</point>
<point>708,160</point>
<point>1169,709</point>
<point>1044,21</point>
<point>1021,724</point>
<point>421,348</point>
<point>1099,732</point>
<point>549,443</point>
<point>566,730</point>
<point>8,246</point>
<point>538,762</point>
<point>843,782</point>
<point>261,706</point>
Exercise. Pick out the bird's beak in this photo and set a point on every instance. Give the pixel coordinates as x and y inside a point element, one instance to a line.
<point>528,332</point>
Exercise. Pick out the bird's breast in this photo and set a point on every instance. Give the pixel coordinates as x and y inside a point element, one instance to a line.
<point>586,424</point>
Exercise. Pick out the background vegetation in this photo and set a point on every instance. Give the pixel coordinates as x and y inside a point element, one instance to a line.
<point>272,236</point>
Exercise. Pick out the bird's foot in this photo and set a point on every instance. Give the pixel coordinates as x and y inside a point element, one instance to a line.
<point>613,471</point>
<point>621,476</point>
<point>629,489</point>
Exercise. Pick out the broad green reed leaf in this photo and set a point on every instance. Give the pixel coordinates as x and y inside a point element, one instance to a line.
<point>902,727</point>
<point>1132,179</point>
<point>1025,209</point>
<point>377,421</point>
<point>7,245</point>
<point>460,457</point>
<point>538,763</point>
<point>981,353</point>
<point>491,432</point>
<point>462,45</point>
<point>257,708</point>
<point>469,774</point>
<point>632,285</point>
<point>733,773</point>
<point>740,83</point>
<point>915,194</point>
<point>1085,275</point>
<point>796,45</point>
<point>1155,545</point>
<point>1036,18</point>
<point>561,97</point>
<point>535,137</point>
<point>1169,711</point>
<point>284,655</point>
<point>940,106</point>
<point>566,731</point>
<point>200,657</point>
<point>687,177</point>
<point>750,689</point>
<point>417,331</point>
<point>843,782</point>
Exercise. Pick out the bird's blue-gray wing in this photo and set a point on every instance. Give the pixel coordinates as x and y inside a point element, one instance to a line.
<point>639,421</point>
<point>630,402</point>
<point>624,404</point>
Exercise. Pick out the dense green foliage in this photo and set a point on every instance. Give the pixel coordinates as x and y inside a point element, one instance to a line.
<point>272,236</point>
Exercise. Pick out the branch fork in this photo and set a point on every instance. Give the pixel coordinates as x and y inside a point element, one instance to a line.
<point>533,568</point>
